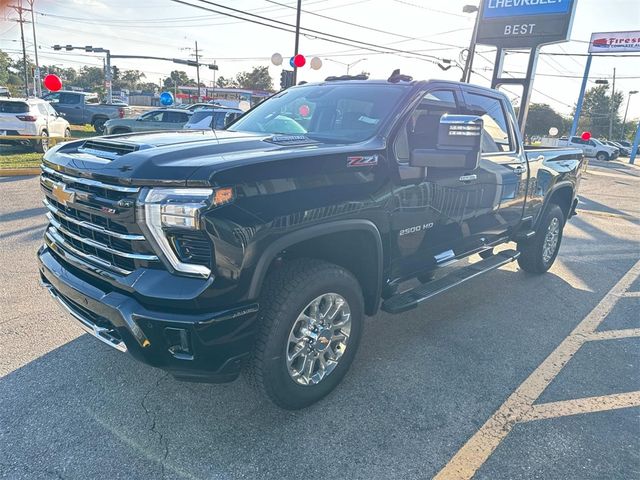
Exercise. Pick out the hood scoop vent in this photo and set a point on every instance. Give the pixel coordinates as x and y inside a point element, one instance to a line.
<point>291,140</point>
<point>105,149</point>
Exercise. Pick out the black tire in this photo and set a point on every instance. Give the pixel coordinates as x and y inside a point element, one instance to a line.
<point>42,145</point>
<point>67,133</point>
<point>98,125</point>
<point>288,292</point>
<point>534,257</point>
<point>602,156</point>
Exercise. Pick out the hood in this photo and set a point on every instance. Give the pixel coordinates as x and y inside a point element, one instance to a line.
<point>183,157</point>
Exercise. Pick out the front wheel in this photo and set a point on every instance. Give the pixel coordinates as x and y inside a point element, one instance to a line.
<point>537,254</point>
<point>310,326</point>
<point>602,156</point>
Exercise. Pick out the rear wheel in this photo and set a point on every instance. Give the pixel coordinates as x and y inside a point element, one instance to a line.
<point>602,156</point>
<point>67,133</point>
<point>42,145</point>
<point>537,254</point>
<point>98,125</point>
<point>311,323</point>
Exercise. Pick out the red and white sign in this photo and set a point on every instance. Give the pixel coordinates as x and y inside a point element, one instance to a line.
<point>615,42</point>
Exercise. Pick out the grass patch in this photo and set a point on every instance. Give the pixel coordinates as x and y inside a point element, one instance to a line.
<point>24,157</point>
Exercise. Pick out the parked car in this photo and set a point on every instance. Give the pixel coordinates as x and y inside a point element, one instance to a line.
<point>625,143</point>
<point>198,106</point>
<point>5,92</point>
<point>214,118</point>
<point>31,117</point>
<point>116,101</point>
<point>159,119</point>
<point>624,151</point>
<point>265,248</point>
<point>592,148</point>
<point>81,108</point>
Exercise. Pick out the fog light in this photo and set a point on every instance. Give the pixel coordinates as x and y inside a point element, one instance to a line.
<point>178,341</point>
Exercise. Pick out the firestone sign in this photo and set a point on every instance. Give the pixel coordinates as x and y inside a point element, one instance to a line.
<point>615,42</point>
<point>525,23</point>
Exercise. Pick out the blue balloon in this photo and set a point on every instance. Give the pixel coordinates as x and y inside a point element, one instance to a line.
<point>166,98</point>
<point>293,65</point>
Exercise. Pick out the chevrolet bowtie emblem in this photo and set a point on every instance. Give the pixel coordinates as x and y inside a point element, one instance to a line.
<point>62,195</point>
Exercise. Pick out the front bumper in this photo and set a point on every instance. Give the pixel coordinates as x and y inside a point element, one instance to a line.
<point>207,347</point>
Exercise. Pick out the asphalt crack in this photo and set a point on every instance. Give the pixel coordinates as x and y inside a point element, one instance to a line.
<point>153,416</point>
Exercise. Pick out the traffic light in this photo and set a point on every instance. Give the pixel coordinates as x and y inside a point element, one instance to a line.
<point>286,79</point>
<point>115,71</point>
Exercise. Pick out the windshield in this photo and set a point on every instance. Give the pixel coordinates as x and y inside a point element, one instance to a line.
<point>342,113</point>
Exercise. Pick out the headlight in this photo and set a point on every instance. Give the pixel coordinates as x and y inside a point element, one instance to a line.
<point>164,210</point>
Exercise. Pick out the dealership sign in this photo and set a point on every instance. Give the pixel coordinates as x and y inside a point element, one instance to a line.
<point>525,23</point>
<point>615,42</point>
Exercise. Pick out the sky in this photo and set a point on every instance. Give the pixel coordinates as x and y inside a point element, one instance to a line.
<point>423,27</point>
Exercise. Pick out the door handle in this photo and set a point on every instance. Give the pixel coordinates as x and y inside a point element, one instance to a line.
<point>519,170</point>
<point>468,178</point>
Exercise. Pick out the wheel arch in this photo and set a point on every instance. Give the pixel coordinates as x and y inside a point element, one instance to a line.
<point>562,194</point>
<point>322,242</point>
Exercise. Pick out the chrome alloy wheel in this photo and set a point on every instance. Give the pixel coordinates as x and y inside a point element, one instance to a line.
<point>551,240</point>
<point>318,339</point>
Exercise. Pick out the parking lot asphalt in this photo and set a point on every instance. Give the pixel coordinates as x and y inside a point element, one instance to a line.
<point>508,376</point>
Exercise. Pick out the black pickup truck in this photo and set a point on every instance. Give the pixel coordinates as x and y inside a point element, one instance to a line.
<point>262,247</point>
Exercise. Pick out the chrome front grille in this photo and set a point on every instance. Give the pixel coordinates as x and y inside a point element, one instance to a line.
<point>90,224</point>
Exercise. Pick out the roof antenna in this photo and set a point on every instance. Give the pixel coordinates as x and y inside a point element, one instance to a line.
<point>396,77</point>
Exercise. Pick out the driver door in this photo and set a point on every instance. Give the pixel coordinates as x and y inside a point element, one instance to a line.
<point>150,121</point>
<point>428,222</point>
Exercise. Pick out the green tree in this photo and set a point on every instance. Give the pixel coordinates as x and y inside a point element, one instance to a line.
<point>223,82</point>
<point>129,79</point>
<point>596,110</point>
<point>256,79</point>
<point>179,78</point>
<point>541,118</point>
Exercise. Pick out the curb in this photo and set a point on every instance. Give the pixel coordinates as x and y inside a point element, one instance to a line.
<point>19,172</point>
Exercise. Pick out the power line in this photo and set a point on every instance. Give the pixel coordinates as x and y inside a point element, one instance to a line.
<point>386,32</point>
<point>338,39</point>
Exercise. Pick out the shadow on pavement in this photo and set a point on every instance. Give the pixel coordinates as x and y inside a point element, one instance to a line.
<point>22,214</point>
<point>422,383</point>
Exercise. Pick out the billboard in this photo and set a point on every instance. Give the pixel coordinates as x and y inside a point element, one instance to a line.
<point>615,42</point>
<point>525,23</point>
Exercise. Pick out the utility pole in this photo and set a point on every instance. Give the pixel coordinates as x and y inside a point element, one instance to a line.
<point>611,108</point>
<point>297,44</point>
<point>36,81</point>
<point>20,10</point>
<point>198,70</point>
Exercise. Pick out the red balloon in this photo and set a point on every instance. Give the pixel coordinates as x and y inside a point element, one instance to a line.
<point>304,110</point>
<point>586,135</point>
<point>299,60</point>
<point>52,82</point>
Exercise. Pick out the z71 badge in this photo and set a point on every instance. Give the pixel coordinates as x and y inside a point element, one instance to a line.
<point>362,161</point>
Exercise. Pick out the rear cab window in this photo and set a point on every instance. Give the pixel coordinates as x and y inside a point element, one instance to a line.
<point>14,107</point>
<point>497,136</point>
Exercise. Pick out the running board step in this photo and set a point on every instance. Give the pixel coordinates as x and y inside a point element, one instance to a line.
<point>410,299</point>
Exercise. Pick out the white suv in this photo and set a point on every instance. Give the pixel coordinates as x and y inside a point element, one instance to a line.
<point>31,117</point>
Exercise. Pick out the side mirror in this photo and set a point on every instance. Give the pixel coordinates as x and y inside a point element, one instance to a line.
<point>61,114</point>
<point>459,144</point>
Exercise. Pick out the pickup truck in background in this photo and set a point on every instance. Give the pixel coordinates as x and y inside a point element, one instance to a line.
<point>81,108</point>
<point>262,247</point>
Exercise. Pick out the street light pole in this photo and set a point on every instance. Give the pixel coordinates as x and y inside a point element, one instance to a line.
<point>297,43</point>
<point>611,108</point>
<point>35,50</point>
<point>466,73</point>
<point>198,70</point>
<point>624,122</point>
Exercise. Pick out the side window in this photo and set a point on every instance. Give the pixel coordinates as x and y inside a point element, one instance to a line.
<point>91,100</point>
<point>70,99</point>
<point>50,109</point>
<point>421,129</point>
<point>152,116</point>
<point>496,135</point>
<point>43,110</point>
<point>577,140</point>
<point>592,143</point>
